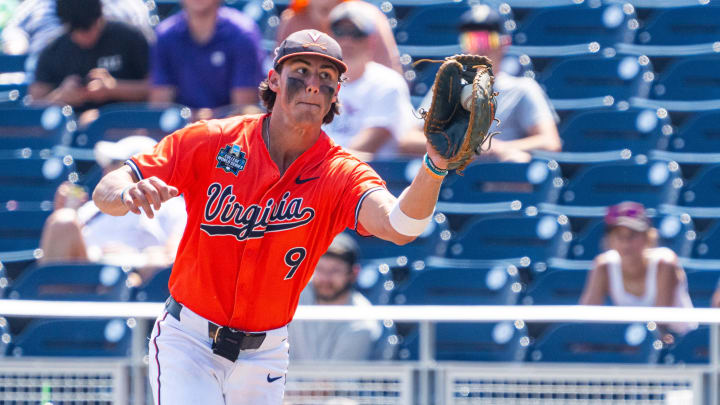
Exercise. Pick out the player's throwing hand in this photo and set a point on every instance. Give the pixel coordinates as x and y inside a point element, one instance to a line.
<point>147,194</point>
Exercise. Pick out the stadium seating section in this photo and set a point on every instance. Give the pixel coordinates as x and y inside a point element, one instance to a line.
<point>637,87</point>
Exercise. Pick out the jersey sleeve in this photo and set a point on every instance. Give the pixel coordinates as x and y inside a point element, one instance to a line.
<point>361,181</point>
<point>180,158</point>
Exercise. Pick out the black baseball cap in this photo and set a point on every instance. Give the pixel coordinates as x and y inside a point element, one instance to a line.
<point>482,18</point>
<point>310,42</point>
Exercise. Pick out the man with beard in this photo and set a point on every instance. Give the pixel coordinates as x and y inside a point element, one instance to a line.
<point>332,284</point>
<point>265,195</point>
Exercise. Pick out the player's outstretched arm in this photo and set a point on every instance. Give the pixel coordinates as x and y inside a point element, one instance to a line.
<point>401,220</point>
<point>119,192</point>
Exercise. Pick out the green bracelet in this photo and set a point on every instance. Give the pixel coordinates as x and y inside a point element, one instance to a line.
<point>430,165</point>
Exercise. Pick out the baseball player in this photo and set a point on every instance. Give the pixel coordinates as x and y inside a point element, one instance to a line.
<point>265,195</point>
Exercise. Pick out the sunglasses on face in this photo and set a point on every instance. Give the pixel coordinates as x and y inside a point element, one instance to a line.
<point>347,31</point>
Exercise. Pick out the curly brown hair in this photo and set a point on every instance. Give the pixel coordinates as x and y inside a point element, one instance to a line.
<point>267,96</point>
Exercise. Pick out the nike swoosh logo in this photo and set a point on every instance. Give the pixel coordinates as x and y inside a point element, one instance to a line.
<point>298,180</point>
<point>272,379</point>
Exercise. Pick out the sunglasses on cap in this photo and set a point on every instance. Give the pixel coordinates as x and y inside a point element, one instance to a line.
<point>483,41</point>
<point>347,30</point>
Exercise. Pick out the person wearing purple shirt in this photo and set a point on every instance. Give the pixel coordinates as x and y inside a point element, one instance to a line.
<point>206,56</point>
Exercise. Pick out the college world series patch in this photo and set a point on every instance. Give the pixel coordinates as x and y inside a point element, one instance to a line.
<point>231,159</point>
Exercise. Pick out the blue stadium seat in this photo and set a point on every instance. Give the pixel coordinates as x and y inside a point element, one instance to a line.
<point>701,195</point>
<point>605,130</point>
<point>431,29</point>
<point>678,31</point>
<point>593,188</point>
<point>376,281</point>
<point>556,287</point>
<point>378,251</point>
<point>4,280</point>
<point>35,127</point>
<point>524,241</point>
<point>594,81</point>
<point>74,337</point>
<point>499,187</point>
<point>676,232</point>
<point>5,337</point>
<point>597,343</point>
<point>71,281</point>
<point>12,63</point>
<point>33,179</point>
<point>689,85</point>
<point>702,285</point>
<point>570,30</point>
<point>502,341</point>
<point>497,285</point>
<point>695,142</point>
<point>693,348</point>
<point>385,346</point>
<point>12,94</point>
<point>116,121</point>
<point>20,234</point>
<point>155,289</point>
<point>397,173</point>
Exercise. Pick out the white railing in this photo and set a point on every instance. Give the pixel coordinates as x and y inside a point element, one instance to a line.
<point>426,316</point>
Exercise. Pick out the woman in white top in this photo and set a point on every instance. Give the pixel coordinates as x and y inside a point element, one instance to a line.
<point>633,271</point>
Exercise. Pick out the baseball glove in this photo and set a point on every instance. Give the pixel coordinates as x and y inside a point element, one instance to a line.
<point>456,133</point>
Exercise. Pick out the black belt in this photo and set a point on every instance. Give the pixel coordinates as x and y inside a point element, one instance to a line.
<point>226,342</point>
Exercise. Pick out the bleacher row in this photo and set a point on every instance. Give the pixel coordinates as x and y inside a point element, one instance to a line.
<point>637,85</point>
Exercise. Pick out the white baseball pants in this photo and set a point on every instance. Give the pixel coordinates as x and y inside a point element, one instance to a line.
<point>184,370</point>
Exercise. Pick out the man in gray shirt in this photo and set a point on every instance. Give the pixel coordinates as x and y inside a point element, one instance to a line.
<point>332,284</point>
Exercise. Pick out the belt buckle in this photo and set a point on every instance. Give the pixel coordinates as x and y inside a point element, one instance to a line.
<point>228,342</point>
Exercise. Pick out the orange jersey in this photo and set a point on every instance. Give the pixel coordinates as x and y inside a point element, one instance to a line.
<point>253,237</point>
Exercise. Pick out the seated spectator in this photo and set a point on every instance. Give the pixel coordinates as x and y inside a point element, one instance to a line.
<point>716,297</point>
<point>95,62</point>
<point>633,271</point>
<point>375,108</point>
<point>207,56</point>
<point>313,14</point>
<point>78,231</point>
<point>35,23</point>
<point>332,284</point>
<point>525,119</point>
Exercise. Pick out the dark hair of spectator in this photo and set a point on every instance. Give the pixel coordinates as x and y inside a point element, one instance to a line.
<point>268,99</point>
<point>79,14</point>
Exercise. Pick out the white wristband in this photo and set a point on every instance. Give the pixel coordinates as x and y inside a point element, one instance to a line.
<point>406,225</point>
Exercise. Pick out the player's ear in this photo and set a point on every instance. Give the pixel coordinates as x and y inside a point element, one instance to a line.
<point>274,80</point>
<point>337,90</point>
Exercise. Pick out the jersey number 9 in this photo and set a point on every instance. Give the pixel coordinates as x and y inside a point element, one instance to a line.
<point>293,258</point>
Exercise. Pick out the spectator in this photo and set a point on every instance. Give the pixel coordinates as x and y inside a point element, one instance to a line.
<point>633,271</point>
<point>313,14</point>
<point>35,23</point>
<point>95,62</point>
<point>78,231</point>
<point>526,119</point>
<point>332,284</point>
<point>207,56</point>
<point>375,108</point>
<point>716,297</point>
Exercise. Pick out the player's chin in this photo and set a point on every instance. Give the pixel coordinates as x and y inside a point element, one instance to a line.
<point>309,115</point>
